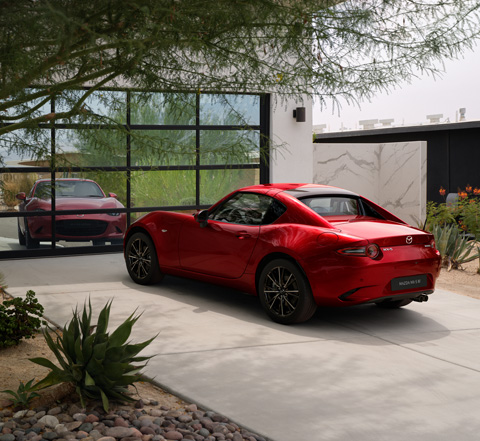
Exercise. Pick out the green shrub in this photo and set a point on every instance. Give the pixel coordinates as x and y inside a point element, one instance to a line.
<point>454,247</point>
<point>19,319</point>
<point>464,212</point>
<point>24,394</point>
<point>99,365</point>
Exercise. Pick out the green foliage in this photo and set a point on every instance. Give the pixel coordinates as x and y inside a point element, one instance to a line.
<point>464,213</point>
<point>3,285</point>
<point>19,319</point>
<point>439,214</point>
<point>100,365</point>
<point>469,213</point>
<point>454,247</point>
<point>314,47</point>
<point>24,394</point>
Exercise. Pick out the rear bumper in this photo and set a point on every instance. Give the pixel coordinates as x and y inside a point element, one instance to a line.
<point>356,280</point>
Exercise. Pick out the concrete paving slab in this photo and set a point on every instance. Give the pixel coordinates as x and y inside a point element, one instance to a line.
<point>358,373</point>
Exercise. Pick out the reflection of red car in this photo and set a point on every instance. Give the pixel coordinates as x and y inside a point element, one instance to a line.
<point>296,246</point>
<point>70,194</point>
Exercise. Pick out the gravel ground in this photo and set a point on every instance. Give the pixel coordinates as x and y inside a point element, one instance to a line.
<point>145,421</point>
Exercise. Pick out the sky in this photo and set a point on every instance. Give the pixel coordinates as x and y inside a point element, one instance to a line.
<point>409,104</point>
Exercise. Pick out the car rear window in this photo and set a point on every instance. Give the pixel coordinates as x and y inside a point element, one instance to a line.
<point>341,207</point>
<point>333,205</point>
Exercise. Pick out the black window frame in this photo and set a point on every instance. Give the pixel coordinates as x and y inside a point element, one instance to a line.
<point>263,166</point>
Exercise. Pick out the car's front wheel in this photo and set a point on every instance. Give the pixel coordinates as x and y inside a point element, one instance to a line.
<point>285,293</point>
<point>30,242</point>
<point>21,236</point>
<point>141,260</point>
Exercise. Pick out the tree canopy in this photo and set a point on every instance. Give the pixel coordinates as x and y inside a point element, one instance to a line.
<point>330,49</point>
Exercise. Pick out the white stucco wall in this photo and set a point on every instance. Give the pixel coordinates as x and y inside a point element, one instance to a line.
<point>292,152</point>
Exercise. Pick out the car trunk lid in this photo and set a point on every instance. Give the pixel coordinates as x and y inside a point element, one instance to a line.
<point>385,233</point>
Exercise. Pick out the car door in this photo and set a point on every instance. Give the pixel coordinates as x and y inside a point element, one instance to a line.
<point>223,247</point>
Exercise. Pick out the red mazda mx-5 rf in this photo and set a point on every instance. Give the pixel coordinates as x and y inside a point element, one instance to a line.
<point>296,246</point>
<point>70,194</point>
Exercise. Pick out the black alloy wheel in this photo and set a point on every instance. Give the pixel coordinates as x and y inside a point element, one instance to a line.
<point>141,260</point>
<point>285,293</point>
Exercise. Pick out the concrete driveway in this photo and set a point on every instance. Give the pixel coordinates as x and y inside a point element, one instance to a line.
<point>358,373</point>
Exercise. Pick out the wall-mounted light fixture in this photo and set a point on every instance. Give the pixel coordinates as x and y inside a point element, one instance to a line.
<point>299,114</point>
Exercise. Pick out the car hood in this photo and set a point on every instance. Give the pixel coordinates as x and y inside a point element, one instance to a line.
<point>84,203</point>
<point>385,233</point>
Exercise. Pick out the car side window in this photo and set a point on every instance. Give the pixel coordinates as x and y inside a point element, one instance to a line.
<point>247,209</point>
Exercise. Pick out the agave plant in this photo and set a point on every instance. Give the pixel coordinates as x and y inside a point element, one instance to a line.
<point>454,246</point>
<point>98,364</point>
<point>23,395</point>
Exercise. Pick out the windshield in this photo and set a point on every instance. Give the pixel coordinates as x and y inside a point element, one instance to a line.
<point>72,189</point>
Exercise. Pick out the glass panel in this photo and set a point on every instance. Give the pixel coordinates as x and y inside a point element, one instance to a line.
<point>163,147</point>
<point>235,110</point>
<point>9,235</point>
<point>162,109</point>
<point>31,104</point>
<point>13,235</point>
<point>11,184</point>
<point>26,147</point>
<point>229,147</point>
<point>163,188</point>
<point>101,106</point>
<point>91,147</point>
<point>215,184</point>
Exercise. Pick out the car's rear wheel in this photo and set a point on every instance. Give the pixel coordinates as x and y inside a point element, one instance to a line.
<point>285,293</point>
<point>393,304</point>
<point>141,260</point>
<point>21,236</point>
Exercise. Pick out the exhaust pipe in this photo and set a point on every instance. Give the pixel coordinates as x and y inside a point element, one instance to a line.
<point>421,298</point>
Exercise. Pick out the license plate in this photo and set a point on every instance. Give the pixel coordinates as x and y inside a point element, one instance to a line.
<point>409,282</point>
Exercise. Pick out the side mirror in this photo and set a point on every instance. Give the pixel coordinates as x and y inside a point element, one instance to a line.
<point>202,218</point>
<point>112,195</point>
<point>21,196</point>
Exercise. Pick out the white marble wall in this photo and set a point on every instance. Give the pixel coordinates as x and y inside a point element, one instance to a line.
<point>393,175</point>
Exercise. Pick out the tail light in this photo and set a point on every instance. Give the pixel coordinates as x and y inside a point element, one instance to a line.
<point>372,250</point>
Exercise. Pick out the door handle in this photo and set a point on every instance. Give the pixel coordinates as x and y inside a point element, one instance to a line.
<point>243,236</point>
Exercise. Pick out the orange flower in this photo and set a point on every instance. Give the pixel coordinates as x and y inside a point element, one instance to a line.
<point>442,191</point>
<point>476,191</point>
<point>468,188</point>
<point>462,195</point>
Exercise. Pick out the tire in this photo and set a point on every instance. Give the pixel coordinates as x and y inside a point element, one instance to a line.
<point>141,260</point>
<point>285,293</point>
<point>393,304</point>
<point>21,236</point>
<point>30,242</point>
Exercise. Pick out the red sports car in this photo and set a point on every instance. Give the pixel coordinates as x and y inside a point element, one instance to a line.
<point>296,246</point>
<point>70,194</point>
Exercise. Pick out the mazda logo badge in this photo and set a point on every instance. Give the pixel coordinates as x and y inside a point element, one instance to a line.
<point>409,240</point>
